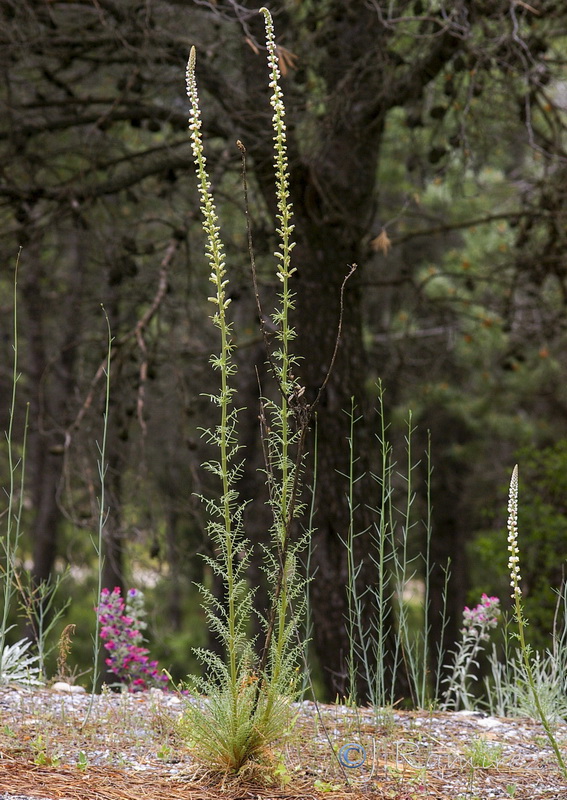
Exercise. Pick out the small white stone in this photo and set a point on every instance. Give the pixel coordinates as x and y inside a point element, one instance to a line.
<point>489,722</point>
<point>61,686</point>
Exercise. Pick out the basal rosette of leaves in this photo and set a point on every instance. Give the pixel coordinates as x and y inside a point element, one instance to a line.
<point>121,625</point>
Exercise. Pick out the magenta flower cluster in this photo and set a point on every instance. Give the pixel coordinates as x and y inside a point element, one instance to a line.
<point>121,630</point>
<point>477,622</point>
<point>482,617</point>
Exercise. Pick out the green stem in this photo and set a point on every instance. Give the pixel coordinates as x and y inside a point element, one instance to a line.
<point>384,512</point>
<point>224,435</point>
<point>102,516</point>
<point>351,586</point>
<point>529,672</point>
<point>289,472</point>
<point>514,569</point>
<point>10,543</point>
<point>427,573</point>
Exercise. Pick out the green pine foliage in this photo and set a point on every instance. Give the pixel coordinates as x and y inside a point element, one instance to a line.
<point>544,526</point>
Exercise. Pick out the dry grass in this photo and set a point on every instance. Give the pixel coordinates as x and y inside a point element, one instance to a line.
<point>130,750</point>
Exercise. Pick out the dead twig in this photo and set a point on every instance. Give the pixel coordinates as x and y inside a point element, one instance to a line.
<point>137,334</point>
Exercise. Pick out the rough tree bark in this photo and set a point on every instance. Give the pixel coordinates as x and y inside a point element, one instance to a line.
<point>52,379</point>
<point>333,188</point>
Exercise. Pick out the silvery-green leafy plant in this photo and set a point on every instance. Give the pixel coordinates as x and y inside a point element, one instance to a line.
<point>477,623</point>
<point>247,704</point>
<point>20,666</point>
<point>389,643</point>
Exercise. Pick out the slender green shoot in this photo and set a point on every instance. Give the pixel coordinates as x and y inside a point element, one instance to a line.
<point>382,636</point>
<point>285,432</point>
<point>102,517</point>
<point>403,578</point>
<point>37,604</point>
<point>11,539</point>
<point>439,649</point>
<point>422,690</point>
<point>353,600</point>
<point>307,615</point>
<point>384,548</point>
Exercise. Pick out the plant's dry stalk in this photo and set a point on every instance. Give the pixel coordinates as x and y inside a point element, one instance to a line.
<point>63,652</point>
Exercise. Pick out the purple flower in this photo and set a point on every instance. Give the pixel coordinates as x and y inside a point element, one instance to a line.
<point>121,625</point>
<point>478,620</point>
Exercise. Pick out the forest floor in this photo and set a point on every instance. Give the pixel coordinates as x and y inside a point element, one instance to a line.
<point>129,749</point>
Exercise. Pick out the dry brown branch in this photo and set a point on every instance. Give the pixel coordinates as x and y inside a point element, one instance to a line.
<point>144,322</point>
<point>136,334</point>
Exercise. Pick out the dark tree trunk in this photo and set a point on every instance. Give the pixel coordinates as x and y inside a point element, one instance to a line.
<point>174,607</point>
<point>333,202</point>
<point>44,469</point>
<point>52,383</point>
<point>117,435</point>
<point>253,378</point>
<point>324,252</point>
<point>113,535</point>
<point>449,540</point>
<point>333,189</point>
<point>45,525</point>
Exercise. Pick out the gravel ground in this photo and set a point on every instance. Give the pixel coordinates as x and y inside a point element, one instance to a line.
<point>49,735</point>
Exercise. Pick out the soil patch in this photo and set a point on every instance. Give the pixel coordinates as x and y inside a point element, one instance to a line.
<point>127,748</point>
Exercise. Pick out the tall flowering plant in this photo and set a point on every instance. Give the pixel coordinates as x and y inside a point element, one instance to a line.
<point>521,621</point>
<point>249,698</point>
<point>121,625</point>
<point>477,623</point>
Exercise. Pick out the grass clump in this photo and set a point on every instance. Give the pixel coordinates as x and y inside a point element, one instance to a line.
<point>483,754</point>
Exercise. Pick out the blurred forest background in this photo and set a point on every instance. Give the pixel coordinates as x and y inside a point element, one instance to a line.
<point>427,145</point>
